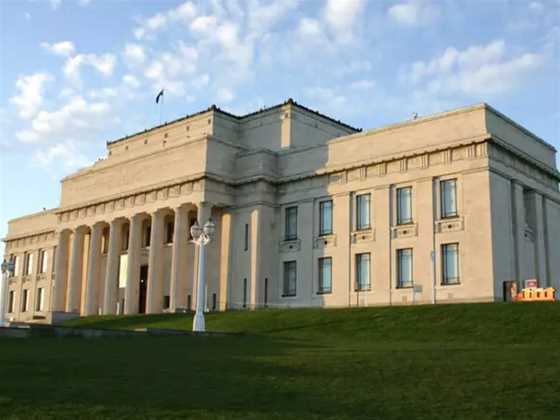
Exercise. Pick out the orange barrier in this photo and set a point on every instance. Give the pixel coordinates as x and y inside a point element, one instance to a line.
<point>538,294</point>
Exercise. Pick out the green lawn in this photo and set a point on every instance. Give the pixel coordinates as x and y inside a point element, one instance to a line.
<point>446,361</point>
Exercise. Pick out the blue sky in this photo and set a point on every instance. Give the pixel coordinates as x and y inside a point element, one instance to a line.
<point>76,73</point>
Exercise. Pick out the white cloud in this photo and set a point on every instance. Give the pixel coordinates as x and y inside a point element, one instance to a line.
<point>169,69</point>
<point>104,64</point>
<point>224,95</point>
<point>131,81</point>
<point>478,70</point>
<point>309,28</point>
<point>414,12</point>
<point>77,118</point>
<point>64,48</point>
<point>30,93</point>
<point>134,54</point>
<point>204,24</point>
<point>341,15</point>
<point>182,13</point>
<point>200,81</point>
<point>263,17</point>
<point>103,93</point>
<point>66,153</point>
<point>363,84</point>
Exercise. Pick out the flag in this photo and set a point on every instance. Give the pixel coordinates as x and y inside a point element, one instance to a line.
<point>159,95</point>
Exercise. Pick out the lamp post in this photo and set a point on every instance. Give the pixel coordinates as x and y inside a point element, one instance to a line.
<point>201,236</point>
<point>7,267</point>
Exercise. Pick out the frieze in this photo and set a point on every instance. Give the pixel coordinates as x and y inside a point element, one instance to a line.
<point>128,202</point>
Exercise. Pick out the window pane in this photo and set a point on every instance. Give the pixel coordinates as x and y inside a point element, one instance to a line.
<point>289,278</point>
<point>325,217</point>
<point>449,198</point>
<point>291,223</point>
<point>450,254</point>
<point>404,205</point>
<point>363,211</point>
<point>363,271</point>
<point>325,275</point>
<point>404,266</point>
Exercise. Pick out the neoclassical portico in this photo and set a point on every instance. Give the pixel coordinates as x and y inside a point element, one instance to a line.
<point>143,263</point>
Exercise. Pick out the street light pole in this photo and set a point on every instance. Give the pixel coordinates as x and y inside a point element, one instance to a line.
<point>201,237</point>
<point>7,267</point>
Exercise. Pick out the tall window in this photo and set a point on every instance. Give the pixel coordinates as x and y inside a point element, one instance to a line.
<point>125,232</point>
<point>448,198</point>
<point>450,263</point>
<point>14,259</point>
<point>325,217</point>
<point>404,268</point>
<point>404,205</point>
<point>244,293</point>
<point>169,227</point>
<point>363,211</point>
<point>24,300</point>
<point>17,262</point>
<point>363,271</point>
<point>11,300</point>
<point>40,300</point>
<point>290,277</point>
<point>28,263</point>
<point>246,245</point>
<point>325,275</point>
<point>105,241</point>
<point>291,223</point>
<point>42,261</point>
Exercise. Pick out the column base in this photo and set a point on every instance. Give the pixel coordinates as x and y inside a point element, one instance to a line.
<point>198,323</point>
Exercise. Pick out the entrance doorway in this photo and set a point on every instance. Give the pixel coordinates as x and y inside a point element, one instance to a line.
<point>143,288</point>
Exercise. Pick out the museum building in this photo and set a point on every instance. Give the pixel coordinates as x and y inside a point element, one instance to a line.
<point>309,212</point>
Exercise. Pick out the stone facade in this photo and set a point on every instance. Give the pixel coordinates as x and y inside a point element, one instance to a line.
<point>309,212</point>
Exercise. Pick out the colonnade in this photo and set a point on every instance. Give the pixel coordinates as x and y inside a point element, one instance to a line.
<point>83,284</point>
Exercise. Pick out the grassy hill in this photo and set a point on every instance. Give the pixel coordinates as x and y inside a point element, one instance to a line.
<point>444,361</point>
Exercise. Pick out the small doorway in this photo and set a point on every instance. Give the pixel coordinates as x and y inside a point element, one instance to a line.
<point>143,289</point>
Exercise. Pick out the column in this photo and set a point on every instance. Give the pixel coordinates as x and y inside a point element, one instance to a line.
<point>60,272</point>
<point>75,277</point>
<point>178,285</point>
<point>112,270</point>
<point>519,231</point>
<point>204,210</point>
<point>93,270</point>
<point>154,298</point>
<point>133,266</point>
<point>540,242</point>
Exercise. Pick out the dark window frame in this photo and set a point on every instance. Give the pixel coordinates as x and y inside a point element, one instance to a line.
<point>291,212</point>
<point>451,281</point>
<point>321,289</point>
<point>400,253</point>
<point>359,222</point>
<point>287,291</point>
<point>400,219</point>
<point>445,214</point>
<point>358,285</point>
<point>323,231</point>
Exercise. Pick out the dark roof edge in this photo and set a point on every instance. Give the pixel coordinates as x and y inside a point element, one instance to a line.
<point>237,117</point>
